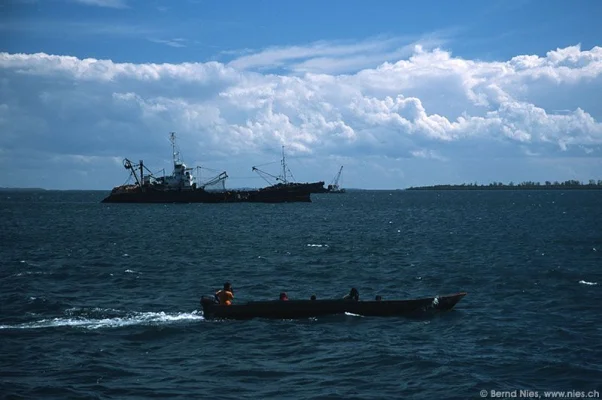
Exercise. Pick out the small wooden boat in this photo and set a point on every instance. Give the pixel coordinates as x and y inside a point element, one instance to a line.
<point>293,309</point>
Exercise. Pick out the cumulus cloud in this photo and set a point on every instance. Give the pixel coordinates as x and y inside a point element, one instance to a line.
<point>425,106</point>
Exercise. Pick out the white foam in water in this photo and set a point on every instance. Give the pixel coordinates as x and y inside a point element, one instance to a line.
<point>316,245</point>
<point>129,271</point>
<point>139,318</point>
<point>79,311</point>
<point>352,314</point>
<point>32,273</point>
<point>588,283</point>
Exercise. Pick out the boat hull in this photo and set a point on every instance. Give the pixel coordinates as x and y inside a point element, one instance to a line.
<point>294,309</point>
<point>149,195</point>
<point>309,187</point>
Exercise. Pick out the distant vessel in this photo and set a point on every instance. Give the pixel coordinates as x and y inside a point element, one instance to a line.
<point>284,183</point>
<point>181,187</point>
<point>334,186</point>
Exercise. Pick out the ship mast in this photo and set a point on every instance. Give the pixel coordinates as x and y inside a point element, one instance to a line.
<point>283,167</point>
<point>175,151</point>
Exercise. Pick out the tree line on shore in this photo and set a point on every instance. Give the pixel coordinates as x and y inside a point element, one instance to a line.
<point>570,184</point>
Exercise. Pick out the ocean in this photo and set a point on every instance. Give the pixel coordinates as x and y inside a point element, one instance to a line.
<point>101,301</point>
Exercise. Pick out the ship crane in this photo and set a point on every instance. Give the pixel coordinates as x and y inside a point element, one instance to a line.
<point>133,170</point>
<point>283,178</point>
<point>221,178</point>
<point>264,175</point>
<point>335,182</point>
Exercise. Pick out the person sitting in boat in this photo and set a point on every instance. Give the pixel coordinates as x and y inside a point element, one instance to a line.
<point>352,295</point>
<point>283,296</point>
<point>313,297</point>
<point>226,295</point>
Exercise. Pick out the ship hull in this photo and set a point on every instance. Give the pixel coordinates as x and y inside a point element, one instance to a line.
<point>150,195</point>
<point>310,187</point>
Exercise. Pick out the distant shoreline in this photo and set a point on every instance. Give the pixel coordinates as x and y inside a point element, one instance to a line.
<point>16,189</point>
<point>566,185</point>
<point>10,189</point>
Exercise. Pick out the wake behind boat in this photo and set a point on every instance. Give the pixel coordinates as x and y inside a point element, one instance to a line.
<point>294,309</point>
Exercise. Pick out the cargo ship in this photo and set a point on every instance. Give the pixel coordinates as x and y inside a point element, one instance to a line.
<point>282,182</point>
<point>181,187</point>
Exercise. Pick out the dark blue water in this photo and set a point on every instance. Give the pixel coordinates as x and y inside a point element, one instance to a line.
<point>101,301</point>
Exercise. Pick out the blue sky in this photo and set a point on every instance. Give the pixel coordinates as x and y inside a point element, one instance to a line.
<point>400,93</point>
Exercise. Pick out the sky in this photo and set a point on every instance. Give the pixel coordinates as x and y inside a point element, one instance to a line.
<point>399,93</point>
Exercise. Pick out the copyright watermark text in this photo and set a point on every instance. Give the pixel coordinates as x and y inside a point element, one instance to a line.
<point>540,394</point>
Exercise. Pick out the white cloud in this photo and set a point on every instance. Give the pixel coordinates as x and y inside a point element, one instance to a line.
<point>105,70</point>
<point>103,3</point>
<point>425,153</point>
<point>177,42</point>
<point>424,107</point>
<point>333,57</point>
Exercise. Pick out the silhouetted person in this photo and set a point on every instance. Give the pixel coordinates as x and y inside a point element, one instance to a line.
<point>313,297</point>
<point>283,296</point>
<point>353,295</point>
<point>378,298</point>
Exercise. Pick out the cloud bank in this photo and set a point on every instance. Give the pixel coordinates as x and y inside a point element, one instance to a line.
<point>426,117</point>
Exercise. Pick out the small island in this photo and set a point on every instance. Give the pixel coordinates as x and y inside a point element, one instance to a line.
<point>528,185</point>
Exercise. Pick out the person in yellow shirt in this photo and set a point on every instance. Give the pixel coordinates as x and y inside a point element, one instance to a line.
<point>226,295</point>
